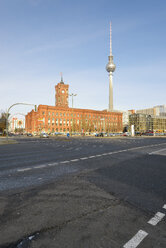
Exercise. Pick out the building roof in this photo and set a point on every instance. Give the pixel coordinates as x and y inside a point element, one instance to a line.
<point>78,110</point>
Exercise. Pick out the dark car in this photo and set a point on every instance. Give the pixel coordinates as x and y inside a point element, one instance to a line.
<point>29,134</point>
<point>99,135</point>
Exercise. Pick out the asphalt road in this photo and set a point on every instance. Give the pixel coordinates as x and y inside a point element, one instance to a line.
<point>83,192</point>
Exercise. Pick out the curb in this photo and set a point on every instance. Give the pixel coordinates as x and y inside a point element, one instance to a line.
<point>5,142</point>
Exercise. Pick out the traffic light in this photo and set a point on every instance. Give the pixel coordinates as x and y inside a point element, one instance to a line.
<point>35,108</point>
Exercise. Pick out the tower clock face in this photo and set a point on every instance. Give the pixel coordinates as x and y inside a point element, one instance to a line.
<point>63,91</point>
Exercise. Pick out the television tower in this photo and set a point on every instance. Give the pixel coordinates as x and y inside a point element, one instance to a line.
<point>110,68</point>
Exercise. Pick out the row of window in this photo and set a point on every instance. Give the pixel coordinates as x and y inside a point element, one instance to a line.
<point>68,122</point>
<point>80,115</point>
<point>97,117</point>
<point>78,121</point>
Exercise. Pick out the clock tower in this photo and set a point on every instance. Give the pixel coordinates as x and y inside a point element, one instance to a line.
<point>61,94</point>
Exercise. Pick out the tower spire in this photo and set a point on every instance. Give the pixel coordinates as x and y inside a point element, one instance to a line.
<point>61,78</point>
<point>110,40</point>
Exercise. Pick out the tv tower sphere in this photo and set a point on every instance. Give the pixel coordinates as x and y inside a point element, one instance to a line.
<point>110,66</point>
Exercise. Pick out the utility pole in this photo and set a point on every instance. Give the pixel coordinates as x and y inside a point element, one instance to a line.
<point>72,95</point>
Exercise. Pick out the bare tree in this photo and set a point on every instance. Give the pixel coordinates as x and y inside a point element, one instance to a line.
<point>3,119</point>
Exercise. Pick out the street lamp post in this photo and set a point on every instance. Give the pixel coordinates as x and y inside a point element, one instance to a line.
<point>7,115</point>
<point>72,95</point>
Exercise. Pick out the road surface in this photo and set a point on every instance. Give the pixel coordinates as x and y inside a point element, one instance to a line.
<point>83,192</point>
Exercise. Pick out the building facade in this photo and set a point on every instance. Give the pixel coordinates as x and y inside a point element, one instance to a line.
<point>61,118</point>
<point>148,123</point>
<point>126,115</point>
<point>159,110</point>
<point>16,123</point>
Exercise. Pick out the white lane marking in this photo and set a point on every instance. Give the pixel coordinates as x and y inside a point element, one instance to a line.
<point>156,219</point>
<point>52,164</point>
<point>68,149</point>
<point>119,151</point>
<point>25,169</point>
<point>157,151</point>
<point>40,166</point>
<point>74,160</point>
<point>64,162</point>
<point>125,150</point>
<point>136,240</point>
<point>164,206</point>
<point>84,158</point>
<point>139,147</point>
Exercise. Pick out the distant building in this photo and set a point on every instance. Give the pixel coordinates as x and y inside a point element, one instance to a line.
<point>146,123</point>
<point>125,118</point>
<point>16,123</point>
<point>61,118</point>
<point>159,110</point>
<point>159,123</point>
<point>141,122</point>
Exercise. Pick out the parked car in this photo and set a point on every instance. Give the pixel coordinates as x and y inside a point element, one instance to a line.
<point>99,135</point>
<point>58,133</point>
<point>35,134</point>
<point>11,134</point>
<point>93,134</point>
<point>44,135</point>
<point>111,134</point>
<point>138,133</point>
<point>126,134</point>
<point>29,134</point>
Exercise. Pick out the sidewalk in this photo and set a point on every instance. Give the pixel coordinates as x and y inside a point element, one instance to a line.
<point>4,141</point>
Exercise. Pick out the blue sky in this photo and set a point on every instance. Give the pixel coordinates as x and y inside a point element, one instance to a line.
<point>41,38</point>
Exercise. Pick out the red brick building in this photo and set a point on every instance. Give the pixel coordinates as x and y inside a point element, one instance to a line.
<point>61,118</point>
